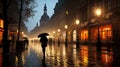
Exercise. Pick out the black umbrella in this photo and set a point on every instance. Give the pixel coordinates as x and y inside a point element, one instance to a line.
<point>43,34</point>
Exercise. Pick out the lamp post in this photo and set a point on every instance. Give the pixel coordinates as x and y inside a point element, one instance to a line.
<point>58,36</point>
<point>54,36</point>
<point>77,34</point>
<point>66,26</point>
<point>98,13</point>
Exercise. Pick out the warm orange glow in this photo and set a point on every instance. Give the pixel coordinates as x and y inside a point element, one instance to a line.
<point>84,35</point>
<point>77,22</point>
<point>106,33</point>
<point>74,35</point>
<point>98,12</point>
<point>22,33</point>
<point>66,26</point>
<point>58,30</point>
<point>1,23</point>
<point>1,33</point>
<point>54,32</point>
<point>94,33</point>
<point>1,29</point>
<point>84,54</point>
<point>107,59</point>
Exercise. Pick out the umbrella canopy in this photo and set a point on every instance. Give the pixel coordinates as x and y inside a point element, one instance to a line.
<point>43,34</point>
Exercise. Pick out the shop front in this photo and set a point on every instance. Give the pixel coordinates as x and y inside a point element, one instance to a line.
<point>105,33</point>
<point>84,35</point>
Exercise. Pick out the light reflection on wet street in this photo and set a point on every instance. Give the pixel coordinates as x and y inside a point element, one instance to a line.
<point>61,56</point>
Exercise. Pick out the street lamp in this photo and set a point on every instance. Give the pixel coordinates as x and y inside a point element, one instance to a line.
<point>58,36</point>
<point>77,22</point>
<point>66,26</point>
<point>98,14</point>
<point>58,30</point>
<point>77,34</point>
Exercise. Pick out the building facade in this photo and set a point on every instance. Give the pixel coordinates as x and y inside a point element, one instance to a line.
<point>108,21</point>
<point>13,19</point>
<point>66,12</point>
<point>84,10</point>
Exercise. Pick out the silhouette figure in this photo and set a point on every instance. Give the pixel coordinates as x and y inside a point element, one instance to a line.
<point>44,64</point>
<point>43,41</point>
<point>26,42</point>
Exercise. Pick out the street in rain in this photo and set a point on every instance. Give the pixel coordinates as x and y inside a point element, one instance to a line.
<point>59,33</point>
<point>61,56</point>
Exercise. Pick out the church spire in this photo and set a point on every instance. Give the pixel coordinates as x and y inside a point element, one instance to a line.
<point>44,17</point>
<point>45,9</point>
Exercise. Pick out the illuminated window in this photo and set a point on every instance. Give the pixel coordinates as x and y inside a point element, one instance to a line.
<point>1,23</point>
<point>1,26</point>
<point>74,35</point>
<point>106,32</point>
<point>94,32</point>
<point>84,35</point>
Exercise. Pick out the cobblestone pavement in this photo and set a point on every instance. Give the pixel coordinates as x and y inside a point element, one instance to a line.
<point>61,56</point>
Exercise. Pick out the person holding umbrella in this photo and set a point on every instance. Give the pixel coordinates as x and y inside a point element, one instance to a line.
<point>43,40</point>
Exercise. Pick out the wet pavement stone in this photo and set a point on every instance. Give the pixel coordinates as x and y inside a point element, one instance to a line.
<point>61,56</point>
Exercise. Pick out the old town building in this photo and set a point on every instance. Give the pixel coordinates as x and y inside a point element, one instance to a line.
<point>44,20</point>
<point>44,24</point>
<point>13,18</point>
<point>84,11</point>
<point>106,24</point>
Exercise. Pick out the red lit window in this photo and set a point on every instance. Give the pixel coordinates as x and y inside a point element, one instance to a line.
<point>84,35</point>
<point>1,23</point>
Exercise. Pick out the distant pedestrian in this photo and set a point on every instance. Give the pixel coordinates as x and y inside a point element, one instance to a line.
<point>43,41</point>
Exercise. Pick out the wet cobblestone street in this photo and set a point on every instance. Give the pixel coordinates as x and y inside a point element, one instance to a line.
<point>61,56</point>
<point>59,33</point>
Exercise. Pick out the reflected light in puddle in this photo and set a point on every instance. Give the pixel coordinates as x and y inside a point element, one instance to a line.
<point>107,58</point>
<point>64,53</point>
<point>84,54</point>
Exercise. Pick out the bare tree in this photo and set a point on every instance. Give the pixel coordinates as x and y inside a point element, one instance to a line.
<point>27,9</point>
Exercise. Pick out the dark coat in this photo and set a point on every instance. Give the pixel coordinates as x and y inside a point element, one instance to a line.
<point>44,41</point>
